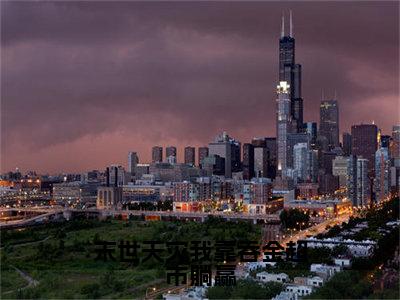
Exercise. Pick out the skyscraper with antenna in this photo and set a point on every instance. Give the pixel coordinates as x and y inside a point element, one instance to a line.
<point>290,72</point>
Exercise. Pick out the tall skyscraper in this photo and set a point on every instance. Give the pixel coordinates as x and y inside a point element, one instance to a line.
<point>133,160</point>
<point>300,160</point>
<point>312,165</point>
<point>117,175</point>
<point>213,165</point>
<point>329,122</point>
<point>270,143</point>
<point>283,126</point>
<point>311,129</point>
<point>395,144</point>
<point>190,155</point>
<point>248,161</point>
<point>382,169</point>
<point>358,183</point>
<point>290,72</point>
<point>260,157</point>
<point>340,169</point>
<point>346,143</point>
<point>157,154</point>
<point>292,140</point>
<point>352,179</point>
<point>385,141</point>
<point>203,153</point>
<point>363,182</point>
<point>229,149</point>
<point>365,143</point>
<point>394,151</point>
<point>325,162</point>
<point>170,151</point>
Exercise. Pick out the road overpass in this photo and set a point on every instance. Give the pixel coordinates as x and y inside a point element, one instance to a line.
<point>49,213</point>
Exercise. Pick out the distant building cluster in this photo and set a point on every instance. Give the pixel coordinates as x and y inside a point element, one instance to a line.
<point>306,161</point>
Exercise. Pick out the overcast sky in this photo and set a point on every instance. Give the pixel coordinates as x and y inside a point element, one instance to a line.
<point>83,83</point>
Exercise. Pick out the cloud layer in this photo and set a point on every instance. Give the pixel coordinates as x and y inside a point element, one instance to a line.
<point>83,83</point>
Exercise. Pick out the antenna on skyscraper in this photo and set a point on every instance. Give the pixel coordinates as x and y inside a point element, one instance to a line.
<point>291,24</point>
<point>335,95</point>
<point>283,26</point>
<point>322,95</point>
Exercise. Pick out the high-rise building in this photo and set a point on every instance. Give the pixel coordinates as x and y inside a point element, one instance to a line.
<point>358,183</point>
<point>141,169</point>
<point>346,143</point>
<point>270,143</point>
<point>248,161</point>
<point>190,155</point>
<point>292,140</point>
<point>283,126</point>
<point>290,72</point>
<point>325,162</point>
<point>329,122</point>
<point>365,143</point>
<point>203,153</point>
<point>395,144</point>
<point>340,169</point>
<point>170,151</point>
<point>261,161</point>
<point>258,142</point>
<point>229,149</point>
<point>133,160</point>
<point>327,184</point>
<point>213,165</point>
<point>300,160</point>
<point>382,169</point>
<point>312,165</point>
<point>394,151</point>
<point>363,183</point>
<point>385,141</point>
<point>117,175</point>
<point>352,179</point>
<point>157,154</point>
<point>171,160</point>
<point>311,129</point>
<point>261,157</point>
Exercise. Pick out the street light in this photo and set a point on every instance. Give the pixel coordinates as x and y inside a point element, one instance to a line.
<point>150,288</point>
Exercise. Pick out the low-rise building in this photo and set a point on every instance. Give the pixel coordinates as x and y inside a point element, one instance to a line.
<point>325,271</point>
<point>356,248</point>
<point>187,206</point>
<point>267,277</point>
<point>186,191</point>
<point>316,281</point>
<point>307,190</point>
<point>285,296</point>
<point>344,262</point>
<point>167,172</point>
<point>75,193</point>
<point>299,290</point>
<point>256,209</point>
<point>146,193</point>
<point>109,197</point>
<point>251,266</point>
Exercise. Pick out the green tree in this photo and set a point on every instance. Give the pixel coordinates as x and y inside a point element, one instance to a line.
<point>91,290</point>
<point>294,218</point>
<point>219,292</point>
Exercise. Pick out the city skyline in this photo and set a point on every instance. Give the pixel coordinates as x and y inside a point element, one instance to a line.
<point>228,72</point>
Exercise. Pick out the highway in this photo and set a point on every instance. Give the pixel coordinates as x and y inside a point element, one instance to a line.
<point>316,229</point>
